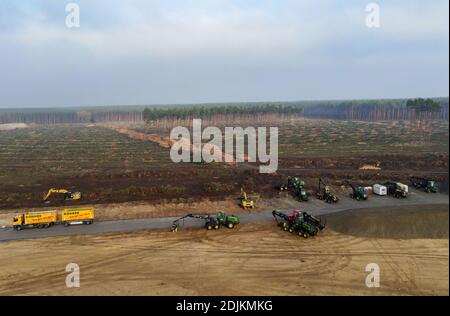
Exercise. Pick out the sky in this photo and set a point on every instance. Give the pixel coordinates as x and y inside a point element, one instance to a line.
<point>140,52</point>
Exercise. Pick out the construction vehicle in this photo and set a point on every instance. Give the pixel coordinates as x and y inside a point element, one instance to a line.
<point>396,189</point>
<point>211,221</point>
<point>35,220</point>
<point>292,183</point>
<point>427,185</point>
<point>324,193</point>
<point>245,201</point>
<point>297,187</point>
<point>299,222</point>
<point>358,192</point>
<point>67,194</point>
<point>77,216</point>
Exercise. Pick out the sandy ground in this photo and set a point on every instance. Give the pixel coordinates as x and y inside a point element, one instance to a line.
<point>12,126</point>
<point>253,259</point>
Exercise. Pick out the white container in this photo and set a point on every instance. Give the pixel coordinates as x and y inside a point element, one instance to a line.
<point>379,189</point>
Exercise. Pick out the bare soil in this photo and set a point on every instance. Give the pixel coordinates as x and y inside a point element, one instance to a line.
<point>414,221</point>
<point>123,163</point>
<point>253,259</point>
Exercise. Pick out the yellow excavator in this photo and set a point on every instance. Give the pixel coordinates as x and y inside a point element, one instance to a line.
<point>71,196</point>
<point>245,201</point>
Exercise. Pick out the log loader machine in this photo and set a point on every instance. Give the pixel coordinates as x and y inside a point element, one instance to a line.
<point>71,196</point>
<point>300,222</point>
<point>396,189</point>
<point>358,192</point>
<point>296,187</point>
<point>426,185</point>
<point>324,193</point>
<point>211,221</point>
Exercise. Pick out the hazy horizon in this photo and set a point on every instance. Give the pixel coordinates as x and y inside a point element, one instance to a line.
<point>139,53</point>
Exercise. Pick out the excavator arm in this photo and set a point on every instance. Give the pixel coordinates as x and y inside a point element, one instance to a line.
<point>51,191</point>
<point>67,194</point>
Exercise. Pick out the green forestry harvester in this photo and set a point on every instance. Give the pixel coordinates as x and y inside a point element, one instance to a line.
<point>211,221</point>
<point>324,193</point>
<point>358,192</point>
<point>427,185</point>
<point>296,187</point>
<point>300,222</point>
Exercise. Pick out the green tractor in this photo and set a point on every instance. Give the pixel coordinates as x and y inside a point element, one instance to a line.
<point>358,192</point>
<point>426,185</point>
<point>297,187</point>
<point>227,220</point>
<point>211,222</point>
<point>302,195</point>
<point>293,183</point>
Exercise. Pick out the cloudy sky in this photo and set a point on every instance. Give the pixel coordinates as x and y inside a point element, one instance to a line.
<point>188,51</point>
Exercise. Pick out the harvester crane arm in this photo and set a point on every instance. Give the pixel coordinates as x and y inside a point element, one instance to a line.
<point>279,216</point>
<point>176,223</point>
<point>346,182</point>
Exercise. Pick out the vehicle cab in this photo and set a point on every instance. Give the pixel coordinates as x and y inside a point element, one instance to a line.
<point>18,221</point>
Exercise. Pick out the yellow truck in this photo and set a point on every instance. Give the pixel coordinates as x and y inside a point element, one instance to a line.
<point>35,220</point>
<point>77,216</point>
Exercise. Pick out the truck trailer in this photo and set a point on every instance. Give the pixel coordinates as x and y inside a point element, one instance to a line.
<point>77,216</point>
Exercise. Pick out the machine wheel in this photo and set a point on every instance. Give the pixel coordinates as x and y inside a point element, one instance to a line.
<point>358,198</point>
<point>18,228</point>
<point>303,234</point>
<point>291,230</point>
<point>209,227</point>
<point>230,225</point>
<point>66,224</point>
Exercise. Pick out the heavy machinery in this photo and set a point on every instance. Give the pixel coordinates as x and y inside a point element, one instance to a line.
<point>299,222</point>
<point>211,221</point>
<point>292,183</point>
<point>396,189</point>
<point>358,192</point>
<point>77,216</point>
<point>427,185</point>
<point>245,201</point>
<point>67,194</point>
<point>297,187</point>
<point>35,220</point>
<point>324,193</point>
